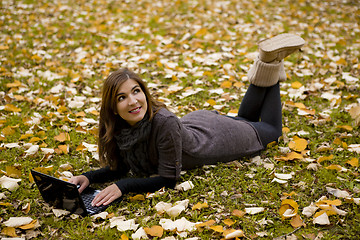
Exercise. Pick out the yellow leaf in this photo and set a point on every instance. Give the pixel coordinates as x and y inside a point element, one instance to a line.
<point>226,84</point>
<point>286,130</point>
<point>353,162</point>
<point>7,131</point>
<point>11,108</point>
<point>337,141</point>
<point>205,224</point>
<point>336,202</point>
<point>13,171</point>
<point>138,197</point>
<point>300,105</point>
<point>228,222</point>
<point>296,85</point>
<point>217,228</point>
<point>4,47</point>
<point>345,127</point>
<point>298,145</point>
<point>200,206</point>
<point>238,213</point>
<point>14,84</point>
<point>62,137</point>
<point>296,221</point>
<point>211,102</point>
<point>290,156</point>
<point>34,139</point>
<point>154,231</point>
<point>292,203</point>
<point>81,147</point>
<point>334,167</point>
<point>290,194</point>
<point>9,231</point>
<point>124,237</point>
<point>24,136</point>
<point>201,32</point>
<point>26,208</point>
<point>29,226</point>
<point>325,158</point>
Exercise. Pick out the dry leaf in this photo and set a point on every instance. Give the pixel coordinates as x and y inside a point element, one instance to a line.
<point>235,234</point>
<point>228,222</point>
<point>139,234</point>
<point>323,219</point>
<point>353,162</point>
<point>9,183</point>
<point>254,210</point>
<point>296,221</point>
<point>199,206</point>
<point>18,221</point>
<point>217,228</point>
<point>62,137</point>
<point>298,144</point>
<point>154,231</point>
<point>138,197</point>
<point>238,213</point>
<point>185,186</point>
<point>9,231</point>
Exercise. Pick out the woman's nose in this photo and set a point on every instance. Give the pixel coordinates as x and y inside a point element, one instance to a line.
<point>132,100</point>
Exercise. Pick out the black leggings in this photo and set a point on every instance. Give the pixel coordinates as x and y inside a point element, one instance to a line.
<point>261,107</point>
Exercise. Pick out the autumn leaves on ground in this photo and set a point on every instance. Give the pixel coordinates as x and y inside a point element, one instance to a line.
<point>194,55</point>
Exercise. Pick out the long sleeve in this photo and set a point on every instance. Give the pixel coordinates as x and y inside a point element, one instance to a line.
<point>143,185</point>
<point>103,175</point>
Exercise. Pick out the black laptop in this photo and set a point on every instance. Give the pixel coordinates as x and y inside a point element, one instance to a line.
<point>64,195</point>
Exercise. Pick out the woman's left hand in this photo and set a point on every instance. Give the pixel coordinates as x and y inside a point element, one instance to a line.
<point>107,196</point>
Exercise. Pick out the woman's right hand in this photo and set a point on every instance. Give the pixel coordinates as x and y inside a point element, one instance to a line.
<point>80,180</point>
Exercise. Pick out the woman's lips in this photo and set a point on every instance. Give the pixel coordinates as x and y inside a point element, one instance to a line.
<point>135,110</point>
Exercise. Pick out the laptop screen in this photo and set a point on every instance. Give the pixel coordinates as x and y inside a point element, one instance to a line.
<point>59,194</point>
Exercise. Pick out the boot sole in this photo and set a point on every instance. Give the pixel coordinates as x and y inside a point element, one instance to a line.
<point>281,45</point>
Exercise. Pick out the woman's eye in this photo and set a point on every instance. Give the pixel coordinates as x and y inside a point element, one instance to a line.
<point>121,98</point>
<point>137,90</point>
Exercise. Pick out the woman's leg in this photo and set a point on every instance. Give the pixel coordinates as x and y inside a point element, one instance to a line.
<point>261,107</point>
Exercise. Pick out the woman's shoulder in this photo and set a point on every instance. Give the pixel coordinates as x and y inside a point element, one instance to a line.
<point>164,117</point>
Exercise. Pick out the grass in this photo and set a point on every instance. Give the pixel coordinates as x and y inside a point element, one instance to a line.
<point>72,39</point>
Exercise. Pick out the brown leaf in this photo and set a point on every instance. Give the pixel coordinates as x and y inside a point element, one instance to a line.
<point>296,221</point>
<point>238,213</point>
<point>353,162</point>
<point>62,137</point>
<point>200,206</point>
<point>138,197</point>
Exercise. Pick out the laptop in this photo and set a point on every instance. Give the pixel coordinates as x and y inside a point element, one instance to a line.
<point>64,195</point>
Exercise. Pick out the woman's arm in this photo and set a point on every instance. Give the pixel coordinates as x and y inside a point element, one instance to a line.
<point>126,185</point>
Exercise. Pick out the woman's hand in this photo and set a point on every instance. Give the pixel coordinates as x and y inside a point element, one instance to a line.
<point>80,180</point>
<point>107,195</point>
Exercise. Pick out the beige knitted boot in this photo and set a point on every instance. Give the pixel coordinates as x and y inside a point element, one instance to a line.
<point>263,74</point>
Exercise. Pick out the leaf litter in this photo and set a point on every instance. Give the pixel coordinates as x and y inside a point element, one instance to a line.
<point>193,55</point>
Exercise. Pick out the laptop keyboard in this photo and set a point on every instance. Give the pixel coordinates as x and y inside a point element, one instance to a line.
<point>87,199</point>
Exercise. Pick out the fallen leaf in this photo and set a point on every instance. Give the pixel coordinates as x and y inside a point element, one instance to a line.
<point>296,221</point>
<point>217,228</point>
<point>228,222</point>
<point>18,221</point>
<point>199,206</point>
<point>154,231</point>
<point>139,234</point>
<point>9,183</point>
<point>238,213</point>
<point>9,231</point>
<point>298,144</point>
<point>254,210</point>
<point>185,186</point>
<point>62,137</point>
<point>353,162</point>
<point>323,219</point>
<point>235,234</point>
<point>11,108</point>
<point>138,197</point>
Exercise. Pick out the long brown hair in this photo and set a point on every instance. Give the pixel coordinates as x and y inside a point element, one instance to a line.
<point>111,122</point>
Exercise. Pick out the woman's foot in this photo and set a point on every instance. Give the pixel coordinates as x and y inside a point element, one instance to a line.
<point>279,47</point>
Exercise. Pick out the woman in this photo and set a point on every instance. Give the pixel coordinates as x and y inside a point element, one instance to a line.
<point>139,135</point>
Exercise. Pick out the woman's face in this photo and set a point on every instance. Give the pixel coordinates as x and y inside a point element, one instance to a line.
<point>131,102</point>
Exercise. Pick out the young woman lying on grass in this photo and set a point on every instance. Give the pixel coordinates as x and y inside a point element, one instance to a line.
<point>138,134</point>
